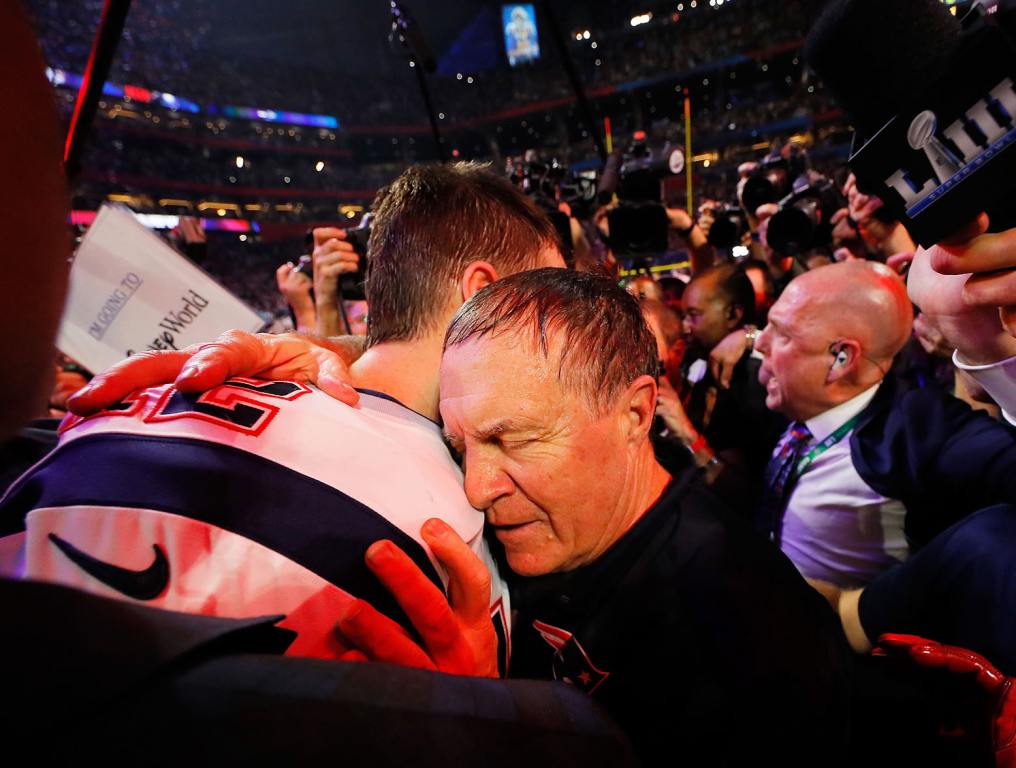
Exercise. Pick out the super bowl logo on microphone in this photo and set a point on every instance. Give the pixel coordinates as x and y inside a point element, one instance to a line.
<point>948,155</point>
<point>984,130</point>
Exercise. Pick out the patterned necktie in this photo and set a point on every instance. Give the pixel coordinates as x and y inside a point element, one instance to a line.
<point>779,478</point>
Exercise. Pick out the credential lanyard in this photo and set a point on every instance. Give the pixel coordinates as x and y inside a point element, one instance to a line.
<point>807,460</point>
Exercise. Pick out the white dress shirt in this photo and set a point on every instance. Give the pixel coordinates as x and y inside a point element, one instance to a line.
<point>998,380</point>
<point>836,527</point>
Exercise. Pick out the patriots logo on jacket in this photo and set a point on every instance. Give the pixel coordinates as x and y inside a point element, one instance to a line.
<point>571,663</point>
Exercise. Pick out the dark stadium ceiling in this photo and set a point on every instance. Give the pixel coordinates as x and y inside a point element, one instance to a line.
<point>333,57</point>
<point>344,35</point>
<point>352,35</point>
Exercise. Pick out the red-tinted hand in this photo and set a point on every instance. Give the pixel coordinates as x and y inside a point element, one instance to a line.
<point>724,357</point>
<point>333,257</point>
<point>929,653</point>
<point>293,285</point>
<point>457,631</point>
<point>200,367</point>
<point>670,409</point>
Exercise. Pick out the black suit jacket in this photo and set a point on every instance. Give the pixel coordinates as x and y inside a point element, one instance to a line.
<point>942,459</point>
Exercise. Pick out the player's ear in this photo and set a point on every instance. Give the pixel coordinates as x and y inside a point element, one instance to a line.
<point>638,408</point>
<point>477,275</point>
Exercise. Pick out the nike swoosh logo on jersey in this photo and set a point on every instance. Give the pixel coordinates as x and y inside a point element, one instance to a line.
<point>140,585</point>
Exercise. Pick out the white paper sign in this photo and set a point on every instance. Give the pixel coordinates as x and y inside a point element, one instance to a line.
<point>130,291</point>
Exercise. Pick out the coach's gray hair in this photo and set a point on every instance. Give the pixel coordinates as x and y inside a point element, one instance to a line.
<point>605,342</point>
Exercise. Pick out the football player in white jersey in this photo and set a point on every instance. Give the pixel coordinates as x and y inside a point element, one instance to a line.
<point>257,498</point>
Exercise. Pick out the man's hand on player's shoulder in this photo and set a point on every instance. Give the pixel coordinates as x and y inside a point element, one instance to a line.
<point>286,356</point>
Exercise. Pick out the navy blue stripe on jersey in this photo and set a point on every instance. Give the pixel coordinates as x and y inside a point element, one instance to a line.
<point>311,523</point>
<point>408,411</point>
<point>383,396</point>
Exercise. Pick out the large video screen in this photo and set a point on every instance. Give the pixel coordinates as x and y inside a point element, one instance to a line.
<point>521,39</point>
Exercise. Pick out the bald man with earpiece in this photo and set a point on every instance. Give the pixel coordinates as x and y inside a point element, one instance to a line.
<point>867,472</point>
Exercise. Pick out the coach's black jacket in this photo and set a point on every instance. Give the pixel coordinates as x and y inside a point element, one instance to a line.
<point>699,637</point>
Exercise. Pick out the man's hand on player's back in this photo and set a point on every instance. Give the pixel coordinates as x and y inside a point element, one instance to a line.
<point>457,632</point>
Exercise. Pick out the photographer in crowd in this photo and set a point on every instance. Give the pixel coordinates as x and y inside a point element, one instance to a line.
<point>727,429</point>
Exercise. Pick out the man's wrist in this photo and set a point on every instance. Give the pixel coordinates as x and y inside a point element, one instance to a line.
<point>685,233</point>
<point>349,348</point>
<point>698,444</point>
<point>897,241</point>
<point>750,334</point>
<point>998,379</point>
<point>700,450</point>
<point>326,300</point>
<point>301,302</point>
<point>306,317</point>
<point>328,320</point>
<point>985,348</point>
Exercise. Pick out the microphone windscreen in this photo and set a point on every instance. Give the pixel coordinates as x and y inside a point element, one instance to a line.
<point>873,55</point>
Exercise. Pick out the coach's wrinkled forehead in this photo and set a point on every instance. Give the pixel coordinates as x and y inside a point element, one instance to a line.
<point>605,343</point>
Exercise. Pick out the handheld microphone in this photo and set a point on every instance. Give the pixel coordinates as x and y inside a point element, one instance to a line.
<point>933,101</point>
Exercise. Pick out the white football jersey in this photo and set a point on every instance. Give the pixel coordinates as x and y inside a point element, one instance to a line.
<point>253,498</point>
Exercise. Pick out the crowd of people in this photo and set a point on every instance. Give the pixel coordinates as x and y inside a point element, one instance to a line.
<point>167,48</point>
<point>740,491</point>
<point>146,149</point>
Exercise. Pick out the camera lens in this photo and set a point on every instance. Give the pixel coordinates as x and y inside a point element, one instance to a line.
<point>790,231</point>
